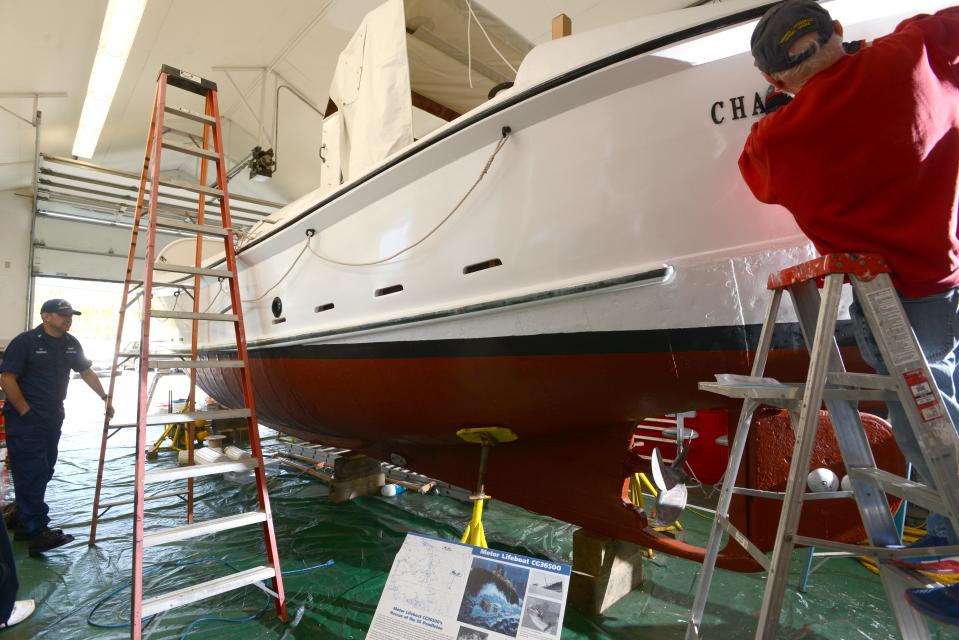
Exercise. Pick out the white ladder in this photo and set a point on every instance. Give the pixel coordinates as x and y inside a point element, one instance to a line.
<point>909,382</point>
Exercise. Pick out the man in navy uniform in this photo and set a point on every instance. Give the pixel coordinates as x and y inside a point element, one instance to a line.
<point>34,376</point>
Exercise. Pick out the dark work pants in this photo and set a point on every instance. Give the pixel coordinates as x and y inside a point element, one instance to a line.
<point>32,446</point>
<point>8,576</point>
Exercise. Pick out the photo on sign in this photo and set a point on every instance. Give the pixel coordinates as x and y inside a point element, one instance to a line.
<point>465,633</point>
<point>494,595</point>
<point>542,615</point>
<point>546,584</point>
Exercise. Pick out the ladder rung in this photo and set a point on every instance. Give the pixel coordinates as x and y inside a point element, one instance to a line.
<point>779,495</point>
<point>196,364</point>
<point>136,354</point>
<point>190,115</point>
<point>195,593</point>
<point>861,380</point>
<point>197,271</point>
<point>195,228</point>
<point>176,285</point>
<point>196,529</point>
<point>209,154</point>
<point>898,486</point>
<point>131,425</point>
<point>782,392</point>
<point>156,496</point>
<point>192,186</point>
<point>880,553</point>
<point>191,416</point>
<point>189,315</point>
<point>199,470</point>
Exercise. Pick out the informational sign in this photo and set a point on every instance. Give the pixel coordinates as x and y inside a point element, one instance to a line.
<point>443,590</point>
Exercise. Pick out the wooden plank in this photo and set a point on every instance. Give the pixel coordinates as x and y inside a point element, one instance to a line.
<point>562,26</point>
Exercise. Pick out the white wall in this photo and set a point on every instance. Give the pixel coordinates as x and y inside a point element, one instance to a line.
<point>66,249</point>
<point>14,253</point>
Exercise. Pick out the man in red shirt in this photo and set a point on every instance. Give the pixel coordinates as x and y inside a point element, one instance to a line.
<point>866,158</point>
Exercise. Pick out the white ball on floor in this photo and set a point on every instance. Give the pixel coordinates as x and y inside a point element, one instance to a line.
<point>846,483</point>
<point>822,479</point>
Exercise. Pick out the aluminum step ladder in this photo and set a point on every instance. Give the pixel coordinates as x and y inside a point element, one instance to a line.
<point>909,382</point>
<point>211,151</point>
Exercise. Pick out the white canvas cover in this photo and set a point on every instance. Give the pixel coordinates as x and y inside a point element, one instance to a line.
<point>403,47</point>
<point>371,90</point>
<point>421,46</point>
<point>443,60</point>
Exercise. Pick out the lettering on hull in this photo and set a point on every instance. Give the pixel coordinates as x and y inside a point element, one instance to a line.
<point>735,108</point>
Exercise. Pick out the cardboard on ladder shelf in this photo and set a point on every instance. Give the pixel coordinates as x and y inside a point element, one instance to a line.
<point>170,77</point>
<point>909,382</point>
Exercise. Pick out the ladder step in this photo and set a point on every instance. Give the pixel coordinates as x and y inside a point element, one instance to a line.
<point>880,553</point>
<point>199,470</point>
<point>208,154</point>
<point>129,425</point>
<point>187,531</point>
<point>205,229</point>
<point>862,380</point>
<point>202,118</point>
<point>789,392</point>
<point>190,416</point>
<point>196,364</point>
<point>197,271</point>
<point>195,593</point>
<point>155,496</point>
<point>179,418</point>
<point>175,285</point>
<point>189,315</point>
<point>192,186</point>
<point>136,354</point>
<point>898,486</point>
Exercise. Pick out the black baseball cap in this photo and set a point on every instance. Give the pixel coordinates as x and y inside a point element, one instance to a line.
<point>781,26</point>
<point>60,306</point>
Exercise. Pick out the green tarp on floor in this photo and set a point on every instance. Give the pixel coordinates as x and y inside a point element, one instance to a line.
<point>361,538</point>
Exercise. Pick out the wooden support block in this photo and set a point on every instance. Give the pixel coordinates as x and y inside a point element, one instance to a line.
<point>356,475</point>
<point>604,570</point>
<point>562,26</point>
<point>236,428</point>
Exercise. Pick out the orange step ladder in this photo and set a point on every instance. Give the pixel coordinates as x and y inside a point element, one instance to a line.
<point>142,608</point>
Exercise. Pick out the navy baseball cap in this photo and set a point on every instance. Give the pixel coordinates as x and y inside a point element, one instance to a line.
<point>781,27</point>
<point>60,306</point>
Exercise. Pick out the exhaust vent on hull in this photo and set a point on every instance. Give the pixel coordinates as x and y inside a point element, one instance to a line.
<point>385,291</point>
<point>480,266</point>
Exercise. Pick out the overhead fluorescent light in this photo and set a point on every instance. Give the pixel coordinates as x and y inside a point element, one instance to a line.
<point>731,42</point>
<point>120,24</point>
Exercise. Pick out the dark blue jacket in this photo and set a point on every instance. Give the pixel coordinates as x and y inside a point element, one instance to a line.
<point>42,365</point>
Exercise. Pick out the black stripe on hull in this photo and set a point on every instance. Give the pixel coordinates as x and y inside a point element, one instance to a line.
<point>728,338</point>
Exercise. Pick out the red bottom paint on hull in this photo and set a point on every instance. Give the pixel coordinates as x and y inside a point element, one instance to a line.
<point>574,415</point>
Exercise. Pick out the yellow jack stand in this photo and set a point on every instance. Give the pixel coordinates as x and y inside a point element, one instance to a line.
<point>636,484</point>
<point>178,434</point>
<point>487,437</point>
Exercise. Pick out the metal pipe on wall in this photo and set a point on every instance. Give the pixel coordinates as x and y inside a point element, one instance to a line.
<point>28,316</point>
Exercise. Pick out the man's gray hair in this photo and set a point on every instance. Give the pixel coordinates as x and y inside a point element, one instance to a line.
<point>821,56</point>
